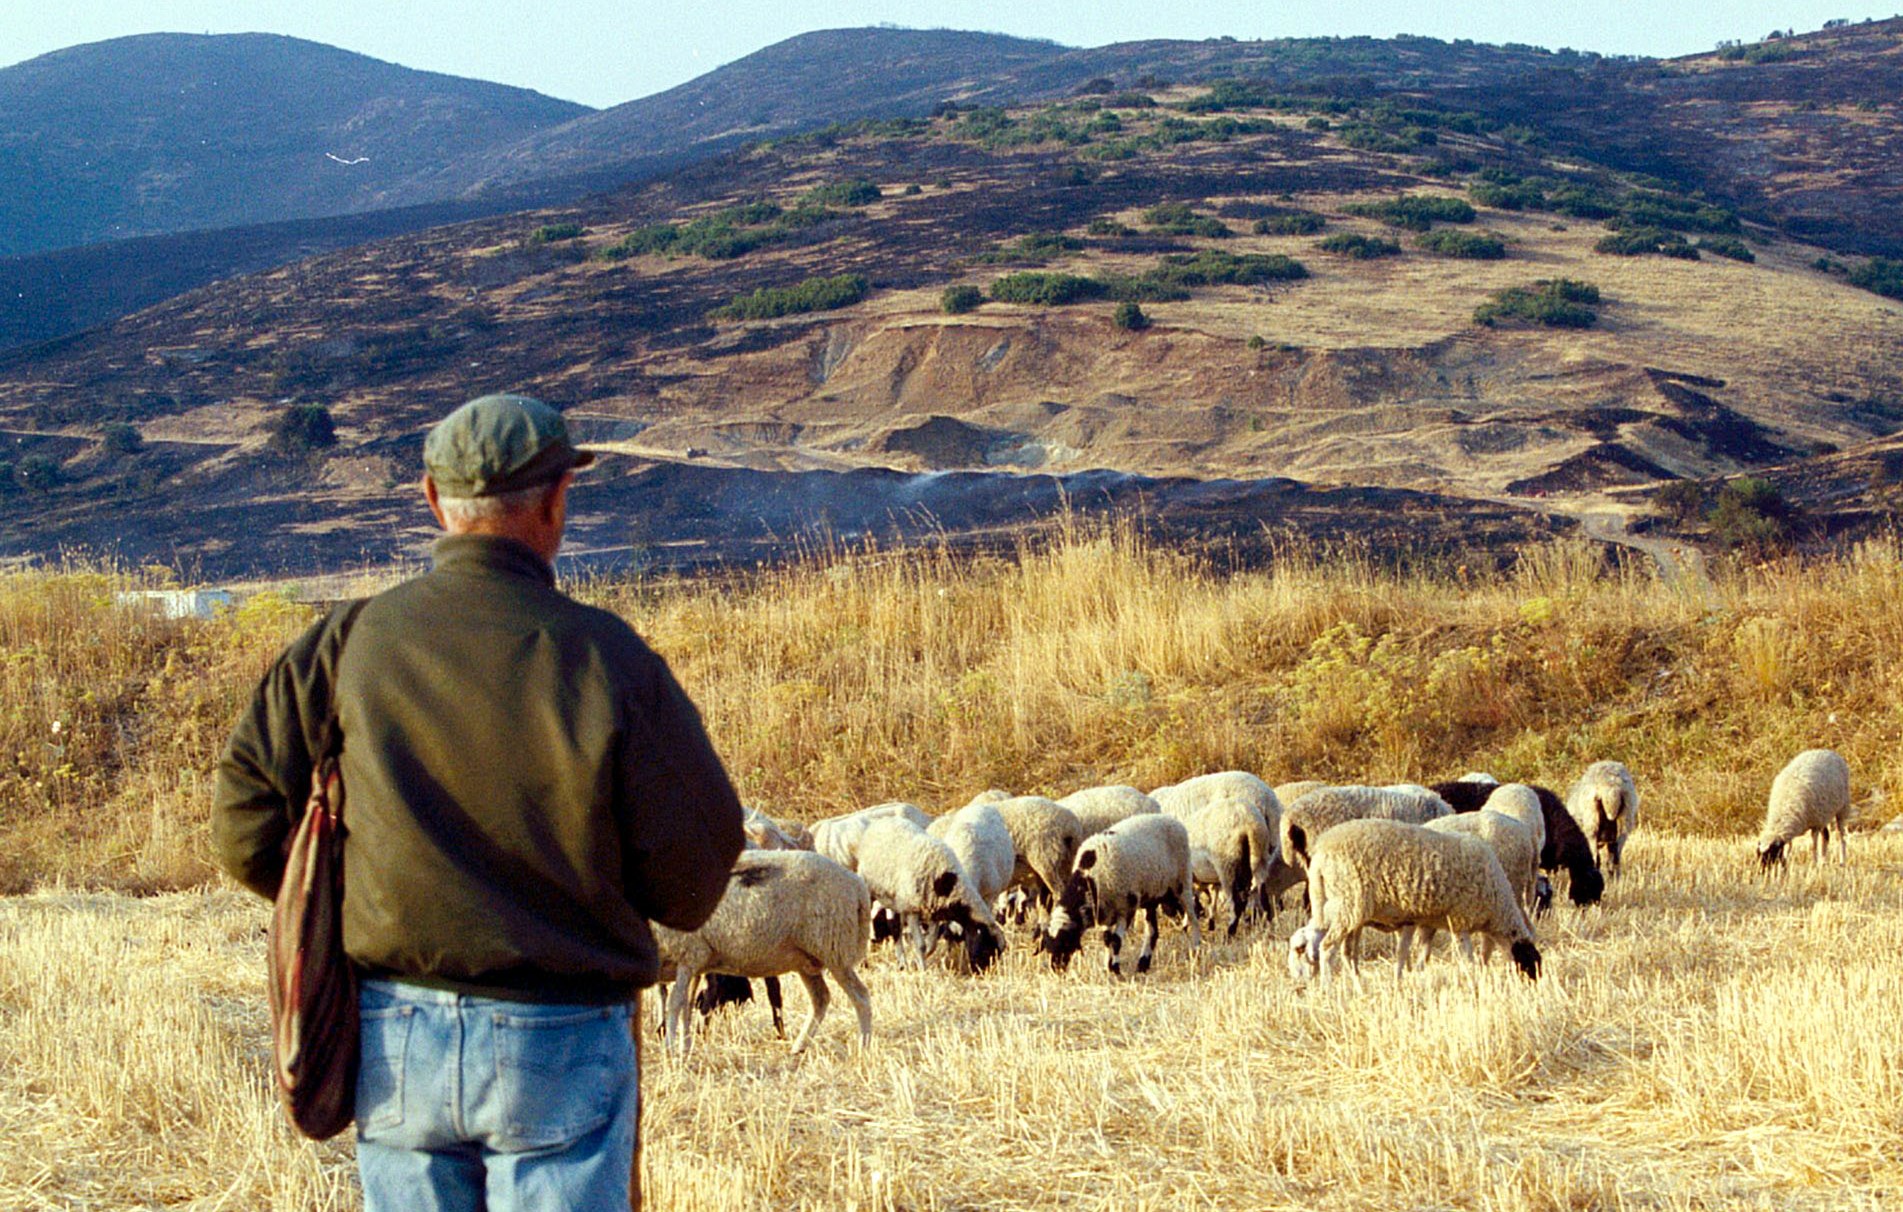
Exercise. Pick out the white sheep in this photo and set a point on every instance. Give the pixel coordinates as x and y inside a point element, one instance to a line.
<point>1138,865</point>
<point>919,878</point>
<point>1288,793</point>
<point>1226,846</point>
<point>1810,795</point>
<point>1098,808</point>
<point>1322,809</point>
<point>1604,803</point>
<point>978,835</point>
<point>764,833</point>
<point>1398,876</point>
<point>761,832</point>
<point>1512,844</point>
<point>838,837</point>
<point>1045,836</point>
<point>1522,803</point>
<point>784,911</point>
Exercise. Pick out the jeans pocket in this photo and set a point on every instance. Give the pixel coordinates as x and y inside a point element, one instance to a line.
<point>385,1047</point>
<point>559,1075</point>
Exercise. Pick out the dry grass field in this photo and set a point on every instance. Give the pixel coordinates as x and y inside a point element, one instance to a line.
<point>1706,1040</point>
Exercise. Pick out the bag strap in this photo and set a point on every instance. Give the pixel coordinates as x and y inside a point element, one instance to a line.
<point>331,744</point>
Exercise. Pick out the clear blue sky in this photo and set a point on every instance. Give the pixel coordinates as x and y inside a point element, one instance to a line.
<point>602,52</point>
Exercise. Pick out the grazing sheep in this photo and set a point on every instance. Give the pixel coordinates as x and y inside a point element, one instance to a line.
<point>1810,795</point>
<point>838,837</point>
<point>762,833</point>
<point>1288,793</point>
<point>1183,800</point>
<point>784,911</point>
<point>1217,847</point>
<point>1604,803</point>
<point>1512,844</point>
<point>1098,808</point>
<point>1464,795</point>
<point>978,835</point>
<point>1138,865</point>
<point>919,878</point>
<point>1045,836</point>
<point>765,833</point>
<point>1309,817</point>
<point>1397,876</point>
<point>1567,847</point>
<point>1522,803</point>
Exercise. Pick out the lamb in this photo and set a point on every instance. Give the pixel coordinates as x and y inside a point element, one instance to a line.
<point>1810,795</point>
<point>1397,876</point>
<point>1309,817</point>
<point>1137,865</point>
<point>1604,803</point>
<point>838,837</point>
<point>919,878</point>
<point>1098,808</point>
<point>1045,836</point>
<point>784,911</point>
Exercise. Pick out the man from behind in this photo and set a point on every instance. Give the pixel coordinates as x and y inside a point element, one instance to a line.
<point>526,788</point>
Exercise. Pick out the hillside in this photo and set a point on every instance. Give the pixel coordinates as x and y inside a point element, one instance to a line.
<point>1362,377</point>
<point>173,132</point>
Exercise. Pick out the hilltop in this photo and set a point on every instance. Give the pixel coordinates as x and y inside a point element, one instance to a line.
<point>760,346</point>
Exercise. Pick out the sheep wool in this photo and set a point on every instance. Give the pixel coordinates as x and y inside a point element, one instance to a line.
<point>1810,795</point>
<point>1304,821</point>
<point>1567,847</point>
<point>1138,865</point>
<point>918,877</point>
<point>1098,808</point>
<point>1522,803</point>
<point>1398,876</point>
<point>1045,836</point>
<point>979,837</point>
<point>1511,841</point>
<point>838,837</point>
<point>1604,803</point>
<point>784,911</point>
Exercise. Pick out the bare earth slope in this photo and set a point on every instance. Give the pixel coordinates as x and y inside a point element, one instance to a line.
<point>1369,381</point>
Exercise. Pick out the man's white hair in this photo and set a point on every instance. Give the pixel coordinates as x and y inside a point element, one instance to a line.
<point>463,511</point>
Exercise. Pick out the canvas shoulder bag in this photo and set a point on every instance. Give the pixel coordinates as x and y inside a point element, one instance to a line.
<point>313,988</point>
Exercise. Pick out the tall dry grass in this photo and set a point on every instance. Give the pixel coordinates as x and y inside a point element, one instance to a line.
<point>1708,1040</point>
<point>855,677</point>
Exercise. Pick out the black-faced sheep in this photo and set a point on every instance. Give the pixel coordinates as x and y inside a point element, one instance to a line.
<point>784,911</point>
<point>1810,795</point>
<point>838,837</point>
<point>918,877</point>
<point>1139,865</point>
<point>1311,816</point>
<point>1397,876</point>
<point>1045,836</point>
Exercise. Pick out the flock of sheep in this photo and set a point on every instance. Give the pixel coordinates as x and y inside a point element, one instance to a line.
<point>1465,856</point>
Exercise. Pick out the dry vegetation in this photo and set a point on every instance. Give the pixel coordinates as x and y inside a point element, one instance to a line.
<point>1708,1040</point>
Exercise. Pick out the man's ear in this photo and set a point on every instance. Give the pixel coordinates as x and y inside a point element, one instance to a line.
<point>555,504</point>
<point>435,500</point>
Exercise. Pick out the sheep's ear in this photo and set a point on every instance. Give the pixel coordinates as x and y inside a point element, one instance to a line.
<point>943,885</point>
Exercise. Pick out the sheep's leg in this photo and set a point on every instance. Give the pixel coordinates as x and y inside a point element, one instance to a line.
<point>1428,935</point>
<point>1113,942</point>
<point>815,989</point>
<point>1195,934</point>
<point>1843,842</point>
<point>1405,938</point>
<point>915,936</point>
<point>1149,943</point>
<point>773,1003</point>
<point>677,1003</point>
<point>1467,947</point>
<point>860,999</point>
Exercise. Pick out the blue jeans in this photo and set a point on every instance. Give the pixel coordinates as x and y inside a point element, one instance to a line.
<point>469,1103</point>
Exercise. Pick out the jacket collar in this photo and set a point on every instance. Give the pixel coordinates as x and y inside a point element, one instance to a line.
<point>490,555</point>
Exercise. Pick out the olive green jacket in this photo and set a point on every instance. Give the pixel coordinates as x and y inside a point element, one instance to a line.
<point>526,784</point>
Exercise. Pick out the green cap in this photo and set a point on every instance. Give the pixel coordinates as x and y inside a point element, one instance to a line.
<point>498,444</point>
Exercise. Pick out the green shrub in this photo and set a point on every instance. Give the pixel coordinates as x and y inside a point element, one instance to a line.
<point>1035,248</point>
<point>1212,267</point>
<point>1468,245</point>
<point>121,438</point>
<point>1751,513</point>
<point>1177,219</point>
<point>1556,303</point>
<point>1879,274</point>
<point>960,299</point>
<point>1360,247</point>
<point>1317,122</point>
<point>1681,500</point>
<point>1727,246</point>
<point>303,428</point>
<point>654,238</point>
<point>812,294</point>
<point>555,233</point>
<point>1655,208</point>
<point>1290,223</point>
<point>1641,241</point>
<point>857,192</point>
<point>1581,202</point>
<point>1046,289</point>
<point>1129,316</point>
<point>37,473</point>
<point>1415,212</point>
<point>1104,225</point>
<point>1255,341</point>
<point>1365,136</point>
<point>1516,196</point>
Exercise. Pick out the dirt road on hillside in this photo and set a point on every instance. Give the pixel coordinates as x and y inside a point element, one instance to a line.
<point>1679,564</point>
